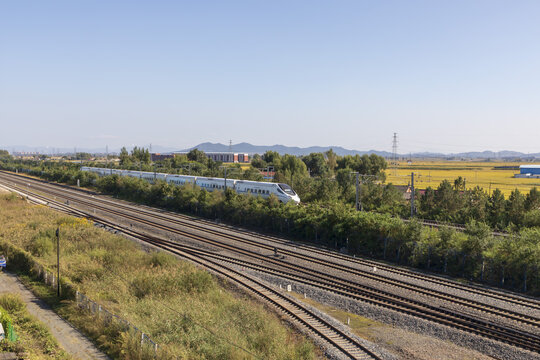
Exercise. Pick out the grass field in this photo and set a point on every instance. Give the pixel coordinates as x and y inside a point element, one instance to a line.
<point>483,174</point>
<point>143,287</point>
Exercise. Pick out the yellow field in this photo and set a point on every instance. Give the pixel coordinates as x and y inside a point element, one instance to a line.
<point>431,173</point>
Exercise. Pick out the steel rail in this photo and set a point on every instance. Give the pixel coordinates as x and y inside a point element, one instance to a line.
<point>491,328</point>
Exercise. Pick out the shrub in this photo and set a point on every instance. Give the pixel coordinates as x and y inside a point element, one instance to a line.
<point>161,259</point>
<point>41,246</point>
<point>12,303</point>
<point>5,319</point>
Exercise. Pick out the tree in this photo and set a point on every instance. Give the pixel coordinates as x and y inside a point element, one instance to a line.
<point>515,207</point>
<point>272,158</point>
<point>428,205</point>
<point>316,164</point>
<point>459,184</point>
<point>497,210</point>
<point>257,161</point>
<point>476,206</point>
<point>366,165</point>
<point>125,159</point>
<point>331,159</point>
<point>447,202</point>
<point>532,202</point>
<point>291,167</point>
<point>4,155</point>
<point>197,155</point>
<point>140,155</point>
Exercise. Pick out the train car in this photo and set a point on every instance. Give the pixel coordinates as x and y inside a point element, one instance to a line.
<point>254,188</point>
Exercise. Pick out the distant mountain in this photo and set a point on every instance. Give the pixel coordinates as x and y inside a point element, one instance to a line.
<point>293,150</point>
<point>282,149</point>
<point>57,150</point>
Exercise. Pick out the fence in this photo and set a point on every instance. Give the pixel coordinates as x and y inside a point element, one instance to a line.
<point>97,310</point>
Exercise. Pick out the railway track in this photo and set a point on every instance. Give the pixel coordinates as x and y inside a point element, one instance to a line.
<point>512,315</point>
<point>463,322</point>
<point>297,313</point>
<point>187,221</point>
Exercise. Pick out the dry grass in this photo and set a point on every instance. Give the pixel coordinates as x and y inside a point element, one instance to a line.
<point>33,337</point>
<point>141,287</point>
<point>431,173</point>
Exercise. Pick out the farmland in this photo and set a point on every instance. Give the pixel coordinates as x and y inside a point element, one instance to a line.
<point>483,174</point>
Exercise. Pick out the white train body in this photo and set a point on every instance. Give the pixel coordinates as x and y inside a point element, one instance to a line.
<point>256,188</point>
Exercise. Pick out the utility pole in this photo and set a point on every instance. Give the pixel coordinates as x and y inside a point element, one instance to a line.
<point>358,203</point>
<point>225,178</point>
<point>412,194</point>
<point>357,191</point>
<point>58,261</point>
<point>394,154</point>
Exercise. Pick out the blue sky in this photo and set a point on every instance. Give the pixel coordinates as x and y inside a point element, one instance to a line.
<point>446,76</point>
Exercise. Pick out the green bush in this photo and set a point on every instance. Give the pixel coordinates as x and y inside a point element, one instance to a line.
<point>41,246</point>
<point>5,319</point>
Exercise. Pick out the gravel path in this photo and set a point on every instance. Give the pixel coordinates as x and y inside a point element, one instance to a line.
<point>69,338</point>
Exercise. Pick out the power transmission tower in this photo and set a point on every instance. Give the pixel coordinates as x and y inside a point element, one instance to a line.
<point>394,154</point>
<point>230,145</point>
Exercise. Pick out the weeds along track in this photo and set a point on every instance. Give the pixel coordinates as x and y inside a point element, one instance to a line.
<point>301,316</point>
<point>228,232</point>
<point>320,280</point>
<point>224,232</point>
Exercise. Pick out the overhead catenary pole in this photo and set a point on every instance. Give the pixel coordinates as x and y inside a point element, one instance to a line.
<point>357,191</point>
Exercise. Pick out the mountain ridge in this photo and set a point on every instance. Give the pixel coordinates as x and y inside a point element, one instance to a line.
<point>341,151</point>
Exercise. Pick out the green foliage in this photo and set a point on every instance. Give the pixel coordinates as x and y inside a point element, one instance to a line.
<point>197,155</point>
<point>5,319</point>
<point>4,155</point>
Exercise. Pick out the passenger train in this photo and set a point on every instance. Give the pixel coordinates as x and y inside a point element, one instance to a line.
<point>256,188</point>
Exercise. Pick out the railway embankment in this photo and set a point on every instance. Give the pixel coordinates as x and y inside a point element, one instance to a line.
<point>184,309</point>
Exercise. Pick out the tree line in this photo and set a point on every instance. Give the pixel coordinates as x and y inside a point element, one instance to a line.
<point>454,203</point>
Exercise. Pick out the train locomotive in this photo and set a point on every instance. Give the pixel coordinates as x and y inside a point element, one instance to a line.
<point>255,188</point>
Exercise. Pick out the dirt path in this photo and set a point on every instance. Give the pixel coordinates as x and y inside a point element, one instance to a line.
<point>75,343</point>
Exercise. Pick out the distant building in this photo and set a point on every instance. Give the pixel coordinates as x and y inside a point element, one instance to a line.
<point>528,171</point>
<point>226,157</point>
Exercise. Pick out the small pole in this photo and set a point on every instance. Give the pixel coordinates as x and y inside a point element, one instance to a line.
<point>58,261</point>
